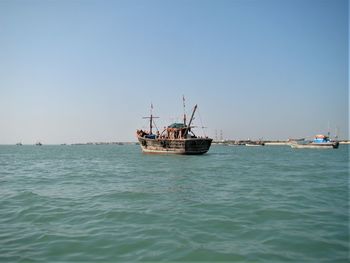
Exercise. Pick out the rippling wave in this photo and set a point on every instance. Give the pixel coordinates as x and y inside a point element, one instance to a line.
<point>108,203</point>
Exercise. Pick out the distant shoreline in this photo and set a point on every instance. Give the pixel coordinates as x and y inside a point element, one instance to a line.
<point>221,142</point>
<point>266,142</point>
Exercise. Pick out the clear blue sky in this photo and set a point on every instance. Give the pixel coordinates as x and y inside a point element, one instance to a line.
<point>79,71</point>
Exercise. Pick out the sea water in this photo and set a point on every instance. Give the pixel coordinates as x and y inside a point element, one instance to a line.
<point>113,203</point>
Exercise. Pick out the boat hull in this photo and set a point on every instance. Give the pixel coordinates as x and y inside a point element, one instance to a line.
<point>332,145</point>
<point>176,146</point>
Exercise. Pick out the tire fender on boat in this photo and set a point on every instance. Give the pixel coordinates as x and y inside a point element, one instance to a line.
<point>163,143</point>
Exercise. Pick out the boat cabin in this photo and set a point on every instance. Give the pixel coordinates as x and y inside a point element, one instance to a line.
<point>321,138</point>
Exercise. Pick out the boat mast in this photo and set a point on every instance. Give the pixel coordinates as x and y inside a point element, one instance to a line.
<point>189,124</point>
<point>183,100</point>
<point>151,117</point>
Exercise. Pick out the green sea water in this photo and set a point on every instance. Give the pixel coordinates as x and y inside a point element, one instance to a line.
<point>113,203</point>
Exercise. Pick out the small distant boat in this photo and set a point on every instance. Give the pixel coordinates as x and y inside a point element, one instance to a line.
<point>38,144</point>
<point>19,144</point>
<point>255,143</point>
<point>177,138</point>
<point>320,142</point>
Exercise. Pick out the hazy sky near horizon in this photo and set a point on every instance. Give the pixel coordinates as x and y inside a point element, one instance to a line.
<point>80,71</point>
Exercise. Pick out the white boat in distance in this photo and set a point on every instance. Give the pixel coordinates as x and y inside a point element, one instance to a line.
<point>320,142</point>
<point>255,143</point>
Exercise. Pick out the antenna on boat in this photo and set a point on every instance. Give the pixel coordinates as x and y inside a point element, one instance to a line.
<point>151,117</point>
<point>184,105</point>
<point>328,133</point>
<point>336,133</point>
<point>200,118</point>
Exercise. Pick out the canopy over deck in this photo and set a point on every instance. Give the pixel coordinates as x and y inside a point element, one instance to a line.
<point>177,125</point>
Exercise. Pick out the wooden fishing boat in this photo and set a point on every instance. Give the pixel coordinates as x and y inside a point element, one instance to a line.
<point>177,138</point>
